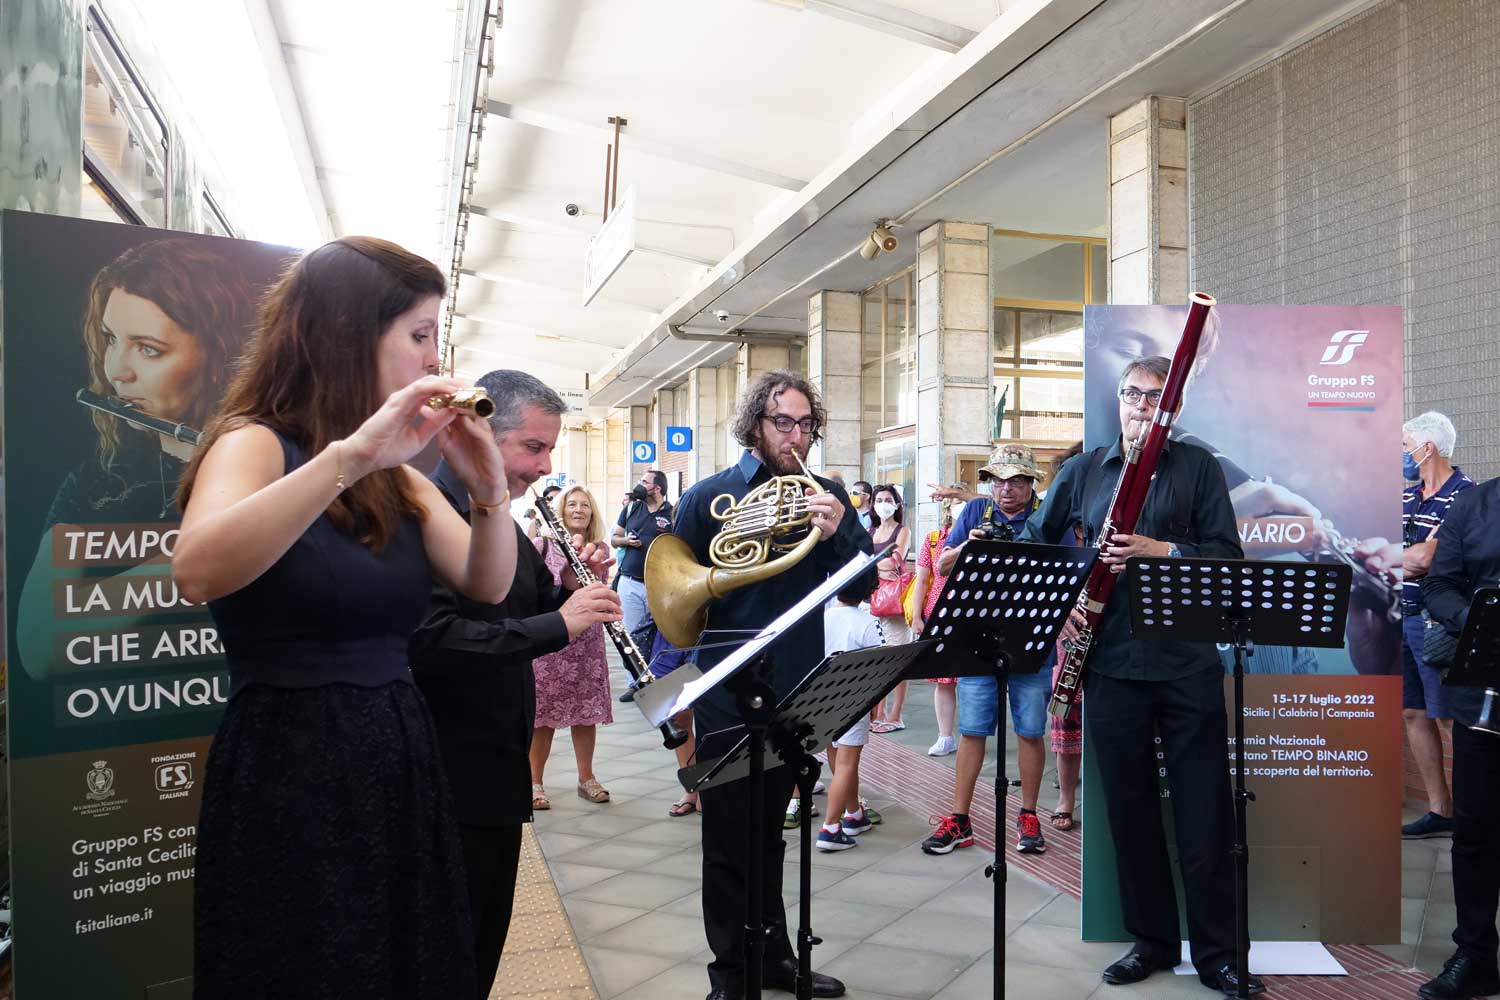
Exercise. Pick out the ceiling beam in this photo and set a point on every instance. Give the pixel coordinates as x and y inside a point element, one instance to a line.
<point>639,144</point>
<point>889,19</point>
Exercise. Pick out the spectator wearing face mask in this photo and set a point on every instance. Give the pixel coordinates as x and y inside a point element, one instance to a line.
<point>860,498</point>
<point>889,528</point>
<point>945,695</point>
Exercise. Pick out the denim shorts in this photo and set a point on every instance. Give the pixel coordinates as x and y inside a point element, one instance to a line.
<point>978,704</point>
<point>1421,685</point>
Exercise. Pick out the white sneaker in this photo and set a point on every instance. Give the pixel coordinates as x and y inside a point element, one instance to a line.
<point>943,747</point>
<point>818,789</point>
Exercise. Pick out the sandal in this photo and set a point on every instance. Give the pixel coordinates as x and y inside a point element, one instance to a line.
<point>593,791</point>
<point>539,800</point>
<point>883,728</point>
<point>1063,821</point>
<point>683,807</point>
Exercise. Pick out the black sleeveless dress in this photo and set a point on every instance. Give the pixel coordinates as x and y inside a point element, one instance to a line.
<point>328,859</point>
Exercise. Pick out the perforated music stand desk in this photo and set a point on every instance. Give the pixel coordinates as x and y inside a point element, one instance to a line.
<point>1000,613</point>
<point>1476,658</point>
<point>1242,602</point>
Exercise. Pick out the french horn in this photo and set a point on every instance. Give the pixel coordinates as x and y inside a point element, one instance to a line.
<point>766,532</point>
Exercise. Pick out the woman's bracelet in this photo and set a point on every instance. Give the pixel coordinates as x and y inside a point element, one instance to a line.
<point>488,509</point>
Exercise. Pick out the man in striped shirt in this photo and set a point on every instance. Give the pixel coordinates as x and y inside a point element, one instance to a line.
<point>1433,481</point>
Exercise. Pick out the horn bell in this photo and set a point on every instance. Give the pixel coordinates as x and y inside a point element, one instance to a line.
<point>677,590</point>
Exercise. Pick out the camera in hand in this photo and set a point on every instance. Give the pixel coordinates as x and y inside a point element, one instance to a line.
<point>993,532</point>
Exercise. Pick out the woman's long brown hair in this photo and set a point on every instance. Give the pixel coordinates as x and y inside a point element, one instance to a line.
<point>310,372</point>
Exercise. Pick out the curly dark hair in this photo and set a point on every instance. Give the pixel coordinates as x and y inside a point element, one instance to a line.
<point>758,397</point>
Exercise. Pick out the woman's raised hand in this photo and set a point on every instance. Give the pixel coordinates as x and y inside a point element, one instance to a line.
<point>401,428</point>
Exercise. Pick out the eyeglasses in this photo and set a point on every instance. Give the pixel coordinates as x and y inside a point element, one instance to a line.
<point>784,424</point>
<point>1132,395</point>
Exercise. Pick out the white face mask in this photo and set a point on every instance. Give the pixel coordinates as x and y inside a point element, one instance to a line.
<point>957,509</point>
<point>885,510</point>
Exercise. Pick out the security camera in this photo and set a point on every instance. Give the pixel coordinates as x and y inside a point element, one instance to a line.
<point>722,315</point>
<point>881,240</point>
<point>572,209</point>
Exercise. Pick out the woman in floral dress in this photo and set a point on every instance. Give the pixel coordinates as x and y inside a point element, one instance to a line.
<point>572,684</point>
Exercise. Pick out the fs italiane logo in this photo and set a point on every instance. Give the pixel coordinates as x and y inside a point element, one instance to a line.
<point>1342,345</point>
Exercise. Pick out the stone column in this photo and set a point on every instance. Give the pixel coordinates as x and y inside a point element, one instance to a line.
<point>703,418</point>
<point>1148,203</point>
<point>754,360</point>
<point>637,428</point>
<point>955,355</point>
<point>833,332</point>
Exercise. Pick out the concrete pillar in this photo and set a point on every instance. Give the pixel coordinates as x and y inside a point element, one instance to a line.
<point>1148,202</point>
<point>755,360</point>
<point>637,428</point>
<point>703,418</point>
<point>617,477</point>
<point>955,355</point>
<point>574,455</point>
<point>727,449</point>
<point>596,473</point>
<point>833,332</point>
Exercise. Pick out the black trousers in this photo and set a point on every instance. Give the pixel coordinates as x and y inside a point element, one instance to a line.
<point>492,854</point>
<point>730,833</point>
<point>1476,842</point>
<point>1121,718</point>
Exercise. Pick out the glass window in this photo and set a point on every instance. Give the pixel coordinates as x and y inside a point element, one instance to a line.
<point>893,459</point>
<point>100,205</point>
<point>1041,284</point>
<point>214,222</point>
<point>124,135</point>
<point>888,361</point>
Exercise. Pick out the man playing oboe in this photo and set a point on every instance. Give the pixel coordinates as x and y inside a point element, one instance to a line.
<point>472,663</point>
<point>1136,689</point>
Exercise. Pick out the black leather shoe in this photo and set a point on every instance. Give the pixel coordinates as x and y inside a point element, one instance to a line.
<point>1462,977</point>
<point>1227,982</point>
<point>1134,967</point>
<point>724,993</point>
<point>783,976</point>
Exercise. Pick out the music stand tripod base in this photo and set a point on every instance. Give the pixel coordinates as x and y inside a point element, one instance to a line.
<point>1000,614</point>
<point>822,707</point>
<point>1241,602</point>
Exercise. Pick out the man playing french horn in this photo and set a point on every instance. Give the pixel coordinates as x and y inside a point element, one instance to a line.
<point>778,420</point>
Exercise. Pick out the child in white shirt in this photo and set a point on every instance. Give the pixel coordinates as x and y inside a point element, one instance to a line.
<point>846,627</point>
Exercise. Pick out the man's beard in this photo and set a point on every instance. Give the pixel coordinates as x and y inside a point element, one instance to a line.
<point>781,465</point>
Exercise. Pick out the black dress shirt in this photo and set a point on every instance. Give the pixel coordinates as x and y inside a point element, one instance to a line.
<point>738,615</point>
<point>1467,558</point>
<point>1187,505</point>
<point>647,524</point>
<point>472,663</point>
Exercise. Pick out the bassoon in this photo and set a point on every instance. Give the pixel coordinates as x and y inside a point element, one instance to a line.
<point>636,664</point>
<point>1125,508</point>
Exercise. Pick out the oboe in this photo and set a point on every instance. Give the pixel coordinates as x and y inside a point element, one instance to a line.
<point>639,667</point>
<point>145,421</point>
<point>1125,508</point>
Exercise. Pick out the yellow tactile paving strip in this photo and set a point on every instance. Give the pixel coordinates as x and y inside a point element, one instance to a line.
<point>542,960</point>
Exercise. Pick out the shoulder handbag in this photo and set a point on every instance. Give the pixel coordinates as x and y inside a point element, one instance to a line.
<point>912,602</point>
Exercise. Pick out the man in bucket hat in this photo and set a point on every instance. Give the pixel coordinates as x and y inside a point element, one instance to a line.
<point>1011,477</point>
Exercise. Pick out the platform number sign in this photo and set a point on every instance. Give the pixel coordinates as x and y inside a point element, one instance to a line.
<point>679,439</point>
<point>643,452</point>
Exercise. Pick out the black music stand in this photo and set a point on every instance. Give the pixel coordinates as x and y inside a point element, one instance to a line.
<point>1241,602</point>
<point>1000,613</point>
<point>1476,658</point>
<point>833,696</point>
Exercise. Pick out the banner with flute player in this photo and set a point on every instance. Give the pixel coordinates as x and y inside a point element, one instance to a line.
<point>1302,407</point>
<point>118,343</point>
